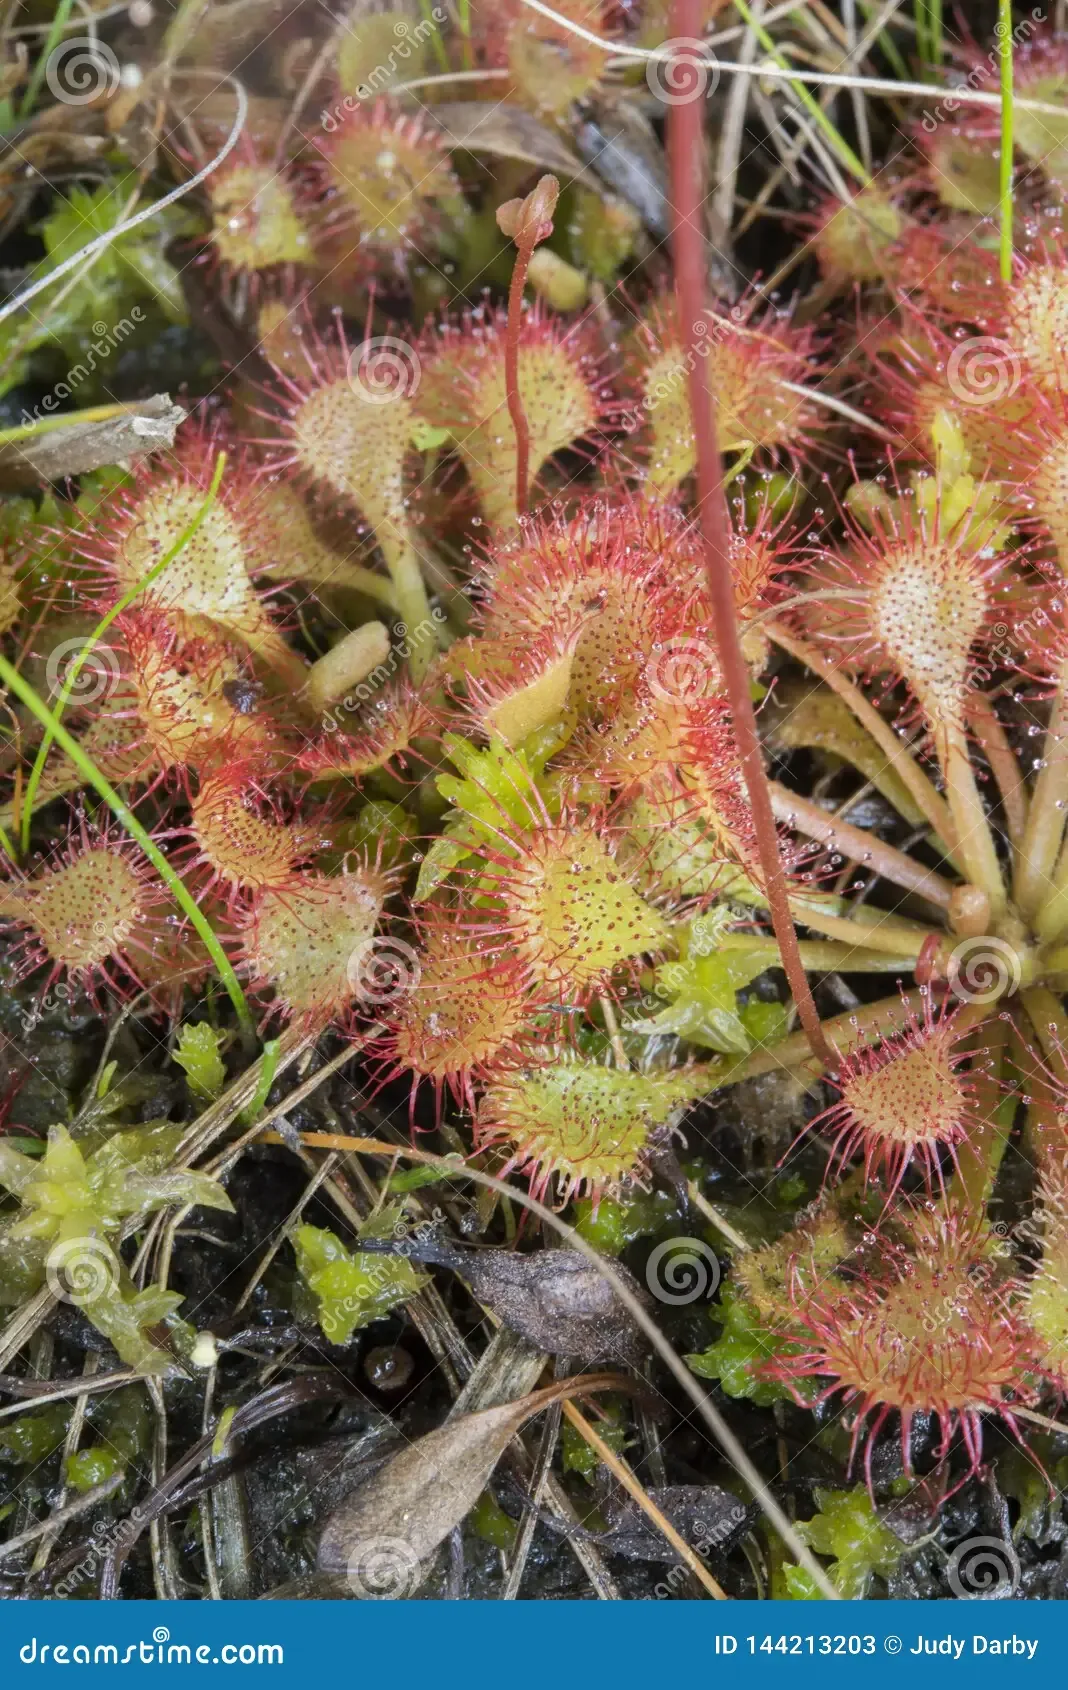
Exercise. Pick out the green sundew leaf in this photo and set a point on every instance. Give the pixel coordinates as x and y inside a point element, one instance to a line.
<point>198,1053</point>
<point>353,1289</point>
<point>847,1529</point>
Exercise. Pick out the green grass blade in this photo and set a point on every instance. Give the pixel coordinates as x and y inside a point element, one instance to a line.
<point>52,40</point>
<point>845,152</point>
<point>101,628</point>
<point>33,701</point>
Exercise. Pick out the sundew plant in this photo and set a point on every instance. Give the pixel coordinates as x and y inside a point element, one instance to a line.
<point>534,797</point>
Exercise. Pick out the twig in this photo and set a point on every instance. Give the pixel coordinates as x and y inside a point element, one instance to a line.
<point>80,1505</point>
<point>619,1469</point>
<point>711,1213</point>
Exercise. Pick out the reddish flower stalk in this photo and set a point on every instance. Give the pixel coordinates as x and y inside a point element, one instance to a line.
<point>526,222</point>
<point>686,151</point>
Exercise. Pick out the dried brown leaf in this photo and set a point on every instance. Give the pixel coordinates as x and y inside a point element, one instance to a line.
<point>486,126</point>
<point>397,1518</point>
<point>555,1299</point>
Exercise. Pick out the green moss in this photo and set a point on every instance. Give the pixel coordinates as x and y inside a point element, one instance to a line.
<point>385,831</point>
<point>580,1457</point>
<point>124,1430</point>
<point>743,1347</point>
<point>847,1529</point>
<point>72,1206</point>
<point>702,988</point>
<point>489,1522</point>
<point>32,1438</point>
<point>352,1289</point>
<point>132,274</point>
<point>197,1052</point>
<point>612,1225</point>
<point>497,787</point>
